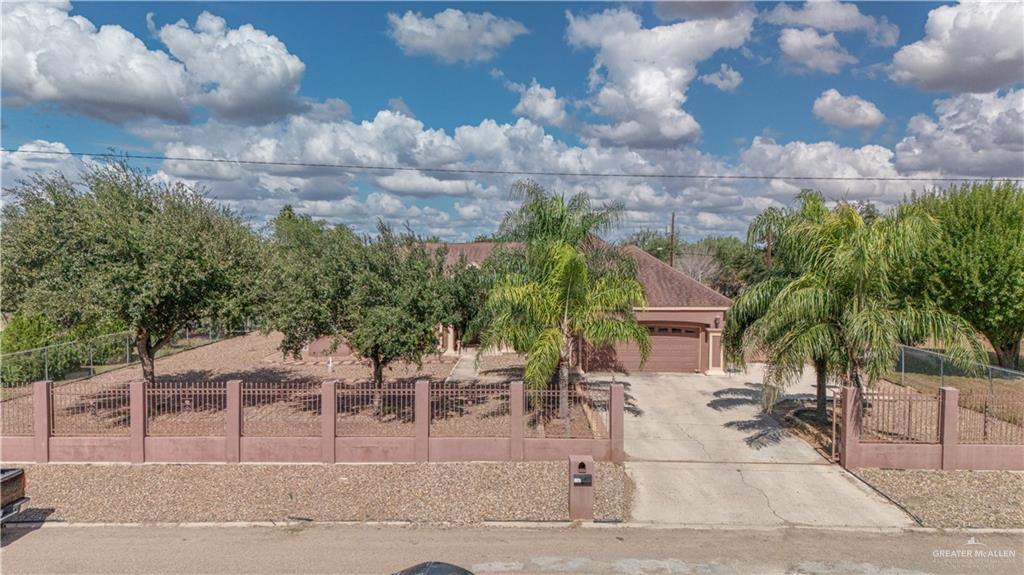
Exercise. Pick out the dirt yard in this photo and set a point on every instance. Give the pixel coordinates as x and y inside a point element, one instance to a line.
<point>917,416</point>
<point>280,396</point>
<point>255,357</point>
<point>588,404</point>
<point>428,492</point>
<point>954,499</point>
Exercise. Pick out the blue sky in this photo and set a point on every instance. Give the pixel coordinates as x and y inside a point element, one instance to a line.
<point>836,89</point>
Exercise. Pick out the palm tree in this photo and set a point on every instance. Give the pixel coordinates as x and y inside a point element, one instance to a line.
<point>766,229</point>
<point>544,217</point>
<point>842,308</point>
<point>565,291</point>
<point>755,301</point>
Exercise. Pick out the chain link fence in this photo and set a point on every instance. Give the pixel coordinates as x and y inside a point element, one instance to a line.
<point>79,359</point>
<point>991,398</point>
<point>926,371</point>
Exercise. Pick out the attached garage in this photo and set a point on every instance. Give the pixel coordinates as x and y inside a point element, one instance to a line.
<point>683,317</point>
<point>674,348</point>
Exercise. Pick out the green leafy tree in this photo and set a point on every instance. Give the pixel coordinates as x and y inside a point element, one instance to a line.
<point>975,266</point>
<point>842,307</point>
<point>126,248</point>
<point>393,310</point>
<point>309,280</point>
<point>656,243</point>
<point>462,296</point>
<point>739,265</point>
<point>27,331</point>
<point>567,287</point>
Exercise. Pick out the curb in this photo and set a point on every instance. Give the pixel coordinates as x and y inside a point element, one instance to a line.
<point>885,495</point>
<point>552,525</point>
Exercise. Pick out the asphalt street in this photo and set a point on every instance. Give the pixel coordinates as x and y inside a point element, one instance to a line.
<point>357,549</point>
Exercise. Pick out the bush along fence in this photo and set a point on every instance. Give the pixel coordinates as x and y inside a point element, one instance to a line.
<point>897,428</point>
<point>79,359</point>
<point>309,422</point>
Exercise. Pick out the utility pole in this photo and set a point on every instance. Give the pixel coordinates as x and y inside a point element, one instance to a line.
<point>672,242</point>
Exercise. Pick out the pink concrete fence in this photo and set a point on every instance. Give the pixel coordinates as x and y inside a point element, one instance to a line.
<point>906,430</point>
<point>286,422</point>
<point>992,418</point>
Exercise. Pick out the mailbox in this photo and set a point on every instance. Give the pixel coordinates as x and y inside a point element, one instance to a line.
<point>581,488</point>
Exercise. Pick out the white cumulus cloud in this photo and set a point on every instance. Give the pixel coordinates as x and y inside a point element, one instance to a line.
<point>641,75</point>
<point>638,90</point>
<point>825,160</point>
<point>247,73</point>
<point>847,111</point>
<point>835,16</point>
<point>51,57</point>
<point>725,79</point>
<point>814,51</point>
<point>969,47</point>
<point>453,35</point>
<point>540,104</point>
<point>19,166</point>
<point>409,183</point>
<point>972,134</point>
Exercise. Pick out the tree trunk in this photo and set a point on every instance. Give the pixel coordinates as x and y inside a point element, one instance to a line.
<point>821,374</point>
<point>563,388</point>
<point>768,250</point>
<point>378,385</point>
<point>1008,355</point>
<point>855,377</point>
<point>145,349</point>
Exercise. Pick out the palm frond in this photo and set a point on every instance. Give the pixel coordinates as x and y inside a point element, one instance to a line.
<point>543,357</point>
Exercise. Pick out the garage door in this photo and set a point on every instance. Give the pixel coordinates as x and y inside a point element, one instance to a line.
<point>673,349</point>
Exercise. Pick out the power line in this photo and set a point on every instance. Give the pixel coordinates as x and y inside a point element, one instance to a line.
<point>477,171</point>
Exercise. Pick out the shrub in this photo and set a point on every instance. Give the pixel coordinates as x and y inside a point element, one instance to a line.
<point>30,332</point>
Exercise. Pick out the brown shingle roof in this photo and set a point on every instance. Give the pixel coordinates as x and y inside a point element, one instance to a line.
<point>475,252</point>
<point>666,286</point>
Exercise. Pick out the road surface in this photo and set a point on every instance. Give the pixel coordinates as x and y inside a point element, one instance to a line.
<point>356,549</point>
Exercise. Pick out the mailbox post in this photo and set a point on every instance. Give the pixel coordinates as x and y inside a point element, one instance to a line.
<point>581,488</point>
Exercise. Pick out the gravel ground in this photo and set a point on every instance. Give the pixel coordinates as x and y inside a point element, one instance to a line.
<point>992,499</point>
<point>429,492</point>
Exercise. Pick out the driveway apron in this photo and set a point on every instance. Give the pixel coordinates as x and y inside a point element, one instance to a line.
<point>701,453</point>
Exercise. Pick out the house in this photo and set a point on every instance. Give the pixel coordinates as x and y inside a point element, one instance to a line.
<point>475,254</point>
<point>684,317</point>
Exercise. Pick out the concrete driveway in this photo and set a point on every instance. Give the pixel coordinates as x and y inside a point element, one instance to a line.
<point>701,453</point>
